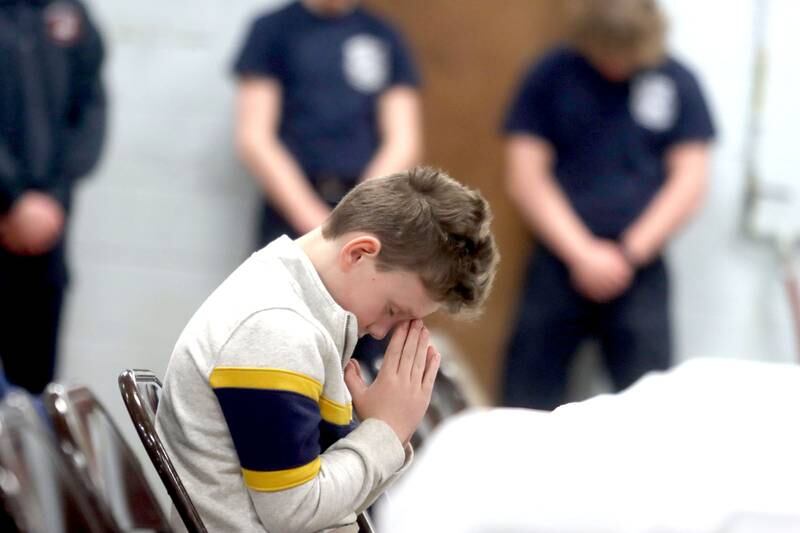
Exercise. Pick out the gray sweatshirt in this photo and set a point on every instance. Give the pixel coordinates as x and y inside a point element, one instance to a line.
<point>255,413</point>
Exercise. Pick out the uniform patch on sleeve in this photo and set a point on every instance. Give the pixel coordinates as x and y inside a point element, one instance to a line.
<point>365,61</point>
<point>64,23</point>
<point>654,101</point>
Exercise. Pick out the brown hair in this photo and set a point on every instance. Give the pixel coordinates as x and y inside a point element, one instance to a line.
<point>428,224</point>
<point>635,29</point>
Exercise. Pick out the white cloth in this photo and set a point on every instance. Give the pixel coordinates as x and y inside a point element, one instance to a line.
<point>710,447</point>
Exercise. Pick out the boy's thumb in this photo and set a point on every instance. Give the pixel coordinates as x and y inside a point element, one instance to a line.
<point>352,378</point>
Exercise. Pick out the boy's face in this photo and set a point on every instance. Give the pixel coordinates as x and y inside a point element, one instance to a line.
<point>381,300</point>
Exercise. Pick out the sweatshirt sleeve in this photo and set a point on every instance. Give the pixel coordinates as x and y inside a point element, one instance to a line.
<point>268,379</point>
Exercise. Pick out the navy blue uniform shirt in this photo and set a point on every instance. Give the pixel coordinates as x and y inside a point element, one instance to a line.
<point>610,138</point>
<point>52,114</point>
<point>332,71</point>
<point>52,102</point>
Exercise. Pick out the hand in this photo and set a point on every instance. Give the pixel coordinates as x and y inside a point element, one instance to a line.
<point>635,251</point>
<point>601,273</point>
<point>401,392</point>
<point>33,225</point>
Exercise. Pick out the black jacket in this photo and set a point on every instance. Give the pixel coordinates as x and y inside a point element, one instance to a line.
<point>52,103</point>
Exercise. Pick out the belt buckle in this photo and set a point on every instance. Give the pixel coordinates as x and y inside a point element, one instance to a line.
<point>331,188</point>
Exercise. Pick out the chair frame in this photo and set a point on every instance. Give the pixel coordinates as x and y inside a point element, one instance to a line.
<point>18,405</point>
<point>129,382</point>
<point>61,403</point>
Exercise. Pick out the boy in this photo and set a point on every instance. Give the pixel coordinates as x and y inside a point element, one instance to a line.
<point>256,412</point>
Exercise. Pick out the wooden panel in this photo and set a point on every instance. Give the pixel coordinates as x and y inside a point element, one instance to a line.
<point>471,53</point>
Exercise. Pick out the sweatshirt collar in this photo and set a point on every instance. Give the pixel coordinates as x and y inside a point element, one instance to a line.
<point>341,324</point>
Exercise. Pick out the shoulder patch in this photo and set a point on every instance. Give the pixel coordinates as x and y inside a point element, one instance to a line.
<point>654,101</point>
<point>365,61</point>
<point>64,23</point>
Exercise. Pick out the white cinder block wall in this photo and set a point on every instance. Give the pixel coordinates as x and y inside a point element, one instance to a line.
<point>729,294</point>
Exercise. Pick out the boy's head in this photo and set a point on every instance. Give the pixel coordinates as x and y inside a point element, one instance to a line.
<point>409,244</point>
<point>618,37</point>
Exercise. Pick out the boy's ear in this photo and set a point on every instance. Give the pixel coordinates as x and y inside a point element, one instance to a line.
<point>357,249</point>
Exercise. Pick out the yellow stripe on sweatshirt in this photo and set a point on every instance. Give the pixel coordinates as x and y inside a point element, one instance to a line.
<point>276,480</point>
<point>335,413</point>
<point>265,378</point>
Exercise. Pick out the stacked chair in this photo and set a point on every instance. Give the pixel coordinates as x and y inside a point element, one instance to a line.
<point>102,460</point>
<point>66,468</point>
<point>38,488</point>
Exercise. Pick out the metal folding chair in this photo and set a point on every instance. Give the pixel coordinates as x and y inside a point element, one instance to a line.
<point>141,390</point>
<point>100,456</point>
<point>37,486</point>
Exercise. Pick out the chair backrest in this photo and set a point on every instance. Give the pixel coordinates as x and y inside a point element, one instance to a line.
<point>101,457</point>
<point>140,391</point>
<point>37,486</point>
<point>365,523</point>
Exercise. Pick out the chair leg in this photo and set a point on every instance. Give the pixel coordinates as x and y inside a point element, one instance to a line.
<point>365,523</point>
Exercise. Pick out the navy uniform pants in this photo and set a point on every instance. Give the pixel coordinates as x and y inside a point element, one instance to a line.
<point>633,332</point>
<point>31,297</point>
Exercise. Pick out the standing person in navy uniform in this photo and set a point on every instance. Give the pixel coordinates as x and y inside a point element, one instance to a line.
<point>328,97</point>
<point>607,155</point>
<point>52,124</point>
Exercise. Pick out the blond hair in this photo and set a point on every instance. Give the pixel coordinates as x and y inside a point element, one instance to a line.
<point>634,29</point>
<point>428,224</point>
